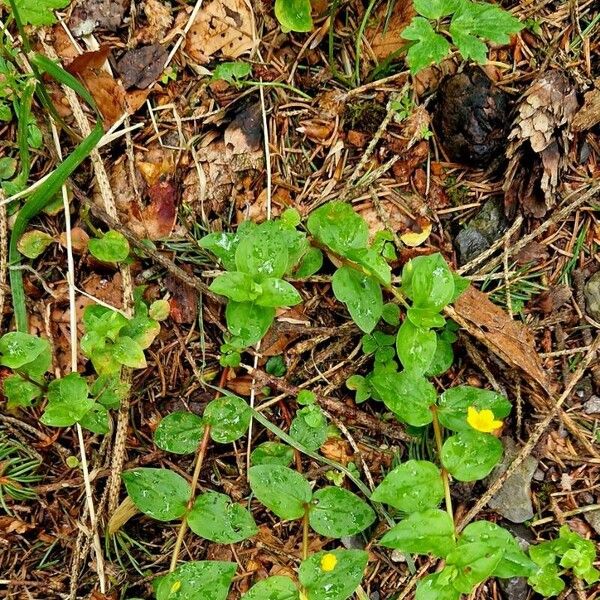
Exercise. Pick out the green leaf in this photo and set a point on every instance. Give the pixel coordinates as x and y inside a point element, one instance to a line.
<point>236,286</point>
<point>436,9</point>
<point>514,562</point>
<point>430,47</point>
<point>428,281</point>
<point>337,512</point>
<point>273,588</point>
<point>361,294</point>
<point>485,20</point>
<point>338,583</point>
<point>361,386</point>
<point>442,359</point>
<point>229,418</point>
<point>111,247</point>
<point>391,314</point>
<point>475,563</point>
<point>38,12</point>
<point>310,263</point>
<point>373,263</point>
<point>223,245</point>
<point>413,486</point>
<point>19,350</point>
<point>415,347</point>
<point>142,330</point>
<point>264,251</point>
<point>425,317</point>
<point>102,321</point>
<point>248,322</point>
<point>338,227</point>
<point>407,394</point>
<point>435,587</point>
<point>232,72</point>
<point>546,581</point>
<point>128,352</point>
<point>179,432</point>
<point>294,15</point>
<point>427,532</point>
<point>471,455</point>
<point>19,392</point>
<point>282,490</point>
<point>96,420</point>
<point>197,580</point>
<point>33,243</point>
<point>306,397</point>
<point>159,310</point>
<point>272,453</point>
<point>68,401</point>
<point>8,166</point>
<point>216,518</point>
<point>109,390</point>
<point>454,404</point>
<point>470,47</point>
<point>158,493</point>
<point>277,292</point>
<point>276,366</point>
<point>309,427</point>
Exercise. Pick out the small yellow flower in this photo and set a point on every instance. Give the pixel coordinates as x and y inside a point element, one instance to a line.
<point>482,420</point>
<point>328,562</point>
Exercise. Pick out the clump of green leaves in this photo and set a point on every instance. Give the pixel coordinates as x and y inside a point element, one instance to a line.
<point>470,26</point>
<point>294,15</point>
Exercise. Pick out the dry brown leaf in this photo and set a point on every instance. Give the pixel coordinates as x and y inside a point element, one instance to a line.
<point>224,26</point>
<point>513,342</point>
<point>159,19</point>
<point>589,114</point>
<point>385,36</point>
<point>89,14</point>
<point>184,299</point>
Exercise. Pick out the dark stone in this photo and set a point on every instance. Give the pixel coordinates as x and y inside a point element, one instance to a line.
<point>472,118</point>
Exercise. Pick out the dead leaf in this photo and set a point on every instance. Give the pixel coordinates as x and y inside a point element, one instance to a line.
<point>385,36</point>
<point>79,240</point>
<point>184,299</point>
<point>10,524</point>
<point>589,114</point>
<point>511,341</point>
<point>141,67</point>
<point>90,14</point>
<point>244,134</point>
<point>224,26</point>
<point>159,19</point>
<point>160,215</point>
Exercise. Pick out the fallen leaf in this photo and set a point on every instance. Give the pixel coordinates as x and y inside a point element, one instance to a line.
<point>416,238</point>
<point>159,19</point>
<point>91,14</point>
<point>244,134</point>
<point>141,67</point>
<point>385,36</point>
<point>513,342</point>
<point>589,114</point>
<point>160,215</point>
<point>224,26</point>
<point>184,299</point>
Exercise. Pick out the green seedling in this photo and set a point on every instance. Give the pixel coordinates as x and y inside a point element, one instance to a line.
<point>294,15</point>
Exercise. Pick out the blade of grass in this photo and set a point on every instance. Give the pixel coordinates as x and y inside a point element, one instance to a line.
<point>38,200</point>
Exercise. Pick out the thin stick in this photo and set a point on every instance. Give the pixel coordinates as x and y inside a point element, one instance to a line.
<point>438,443</point>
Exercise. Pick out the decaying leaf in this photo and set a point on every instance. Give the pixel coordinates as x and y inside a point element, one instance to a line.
<point>508,339</point>
<point>589,114</point>
<point>141,67</point>
<point>223,26</point>
<point>385,33</point>
<point>91,14</point>
<point>539,144</point>
<point>184,299</point>
<point>159,19</point>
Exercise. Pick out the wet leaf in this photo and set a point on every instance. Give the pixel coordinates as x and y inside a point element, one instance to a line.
<point>197,580</point>
<point>272,453</point>
<point>33,243</point>
<point>111,247</point>
<point>273,588</point>
<point>471,455</point>
<point>179,432</point>
<point>68,401</point>
<point>294,15</point>
<point>229,418</point>
<point>415,346</point>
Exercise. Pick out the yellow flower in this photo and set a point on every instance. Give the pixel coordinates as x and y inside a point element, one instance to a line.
<point>328,562</point>
<point>482,420</point>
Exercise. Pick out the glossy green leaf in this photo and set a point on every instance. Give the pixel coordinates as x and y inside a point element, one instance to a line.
<point>436,9</point>
<point>309,427</point>
<point>96,420</point>
<point>111,247</point>
<point>248,321</point>
<point>546,581</point>
<point>339,227</point>
<point>455,401</point>
<point>427,532</point>
<point>277,292</point>
<point>374,264</point>
<point>179,432</point>
<point>425,317</point>
<point>337,512</point>
<point>197,580</point>
<point>361,386</point>
<point>128,352</point>
<point>273,588</point>
<point>19,392</point>
<point>229,417</point>
<point>294,15</point>
<point>232,72</point>
<point>475,563</point>
<point>338,583</point>
<point>413,486</point>
<point>159,310</point>
<point>514,562</point>
<point>362,296</point>
<point>216,518</point>
<point>263,252</point>
<point>471,455</point>
<point>415,347</point>
<point>142,330</point>
<point>38,12</point>
<point>103,322</point>
<point>158,493</point>
<point>429,47</point>
<point>391,314</point>
<point>428,281</point>
<point>33,243</point>
<point>407,394</point>
<point>310,263</point>
<point>223,245</point>
<point>435,587</point>
<point>282,490</point>
<point>18,350</point>
<point>236,286</point>
<point>109,390</point>
<point>68,401</point>
<point>272,453</point>
<point>442,359</point>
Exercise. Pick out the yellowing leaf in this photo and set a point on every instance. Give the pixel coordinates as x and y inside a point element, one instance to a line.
<point>33,243</point>
<point>412,238</point>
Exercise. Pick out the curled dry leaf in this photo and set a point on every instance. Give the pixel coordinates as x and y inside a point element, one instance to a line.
<point>79,240</point>
<point>513,342</point>
<point>222,26</point>
<point>540,135</point>
<point>159,19</point>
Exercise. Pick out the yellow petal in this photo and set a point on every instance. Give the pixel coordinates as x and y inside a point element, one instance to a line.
<point>328,562</point>
<point>416,239</point>
<point>482,420</point>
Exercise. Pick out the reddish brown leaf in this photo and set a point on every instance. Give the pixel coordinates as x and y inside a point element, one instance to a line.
<point>160,215</point>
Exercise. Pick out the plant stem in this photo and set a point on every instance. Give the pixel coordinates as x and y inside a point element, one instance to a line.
<point>437,430</point>
<point>196,475</point>
<point>305,532</point>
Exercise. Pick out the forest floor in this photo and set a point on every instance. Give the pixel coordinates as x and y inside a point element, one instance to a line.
<point>341,118</point>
